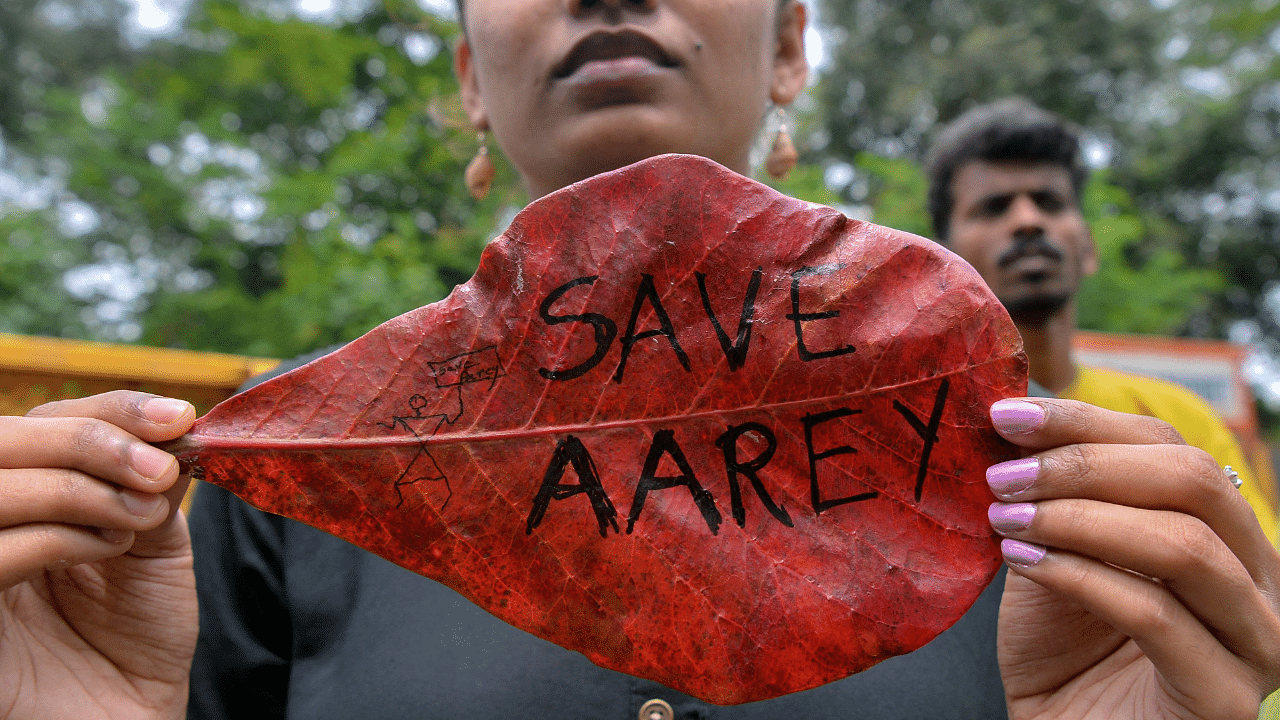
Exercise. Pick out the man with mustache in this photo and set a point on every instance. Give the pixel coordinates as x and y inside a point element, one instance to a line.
<point>1005,182</point>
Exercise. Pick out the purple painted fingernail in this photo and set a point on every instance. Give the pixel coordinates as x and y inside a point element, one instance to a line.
<point>1011,517</point>
<point>1020,553</point>
<point>1017,417</point>
<point>1009,479</point>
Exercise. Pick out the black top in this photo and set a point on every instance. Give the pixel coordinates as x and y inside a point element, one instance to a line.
<point>296,623</point>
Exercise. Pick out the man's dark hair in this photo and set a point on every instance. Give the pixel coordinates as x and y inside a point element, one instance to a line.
<point>1012,129</point>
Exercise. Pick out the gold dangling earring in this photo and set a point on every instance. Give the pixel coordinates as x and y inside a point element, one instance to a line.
<point>783,156</point>
<point>479,173</point>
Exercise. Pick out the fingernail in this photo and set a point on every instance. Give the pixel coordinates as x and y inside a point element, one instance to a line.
<point>1020,553</point>
<point>115,537</point>
<point>142,505</point>
<point>150,462</point>
<point>1017,416</point>
<point>1009,479</point>
<point>165,410</point>
<point>1011,517</point>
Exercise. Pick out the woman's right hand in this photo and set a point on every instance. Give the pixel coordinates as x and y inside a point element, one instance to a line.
<point>97,596</point>
<point>1141,585</point>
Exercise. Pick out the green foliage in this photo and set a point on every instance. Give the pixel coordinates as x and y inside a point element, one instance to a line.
<point>264,186</point>
<point>330,290</point>
<point>38,64</point>
<point>898,195</point>
<point>805,182</point>
<point>31,269</point>
<point>1144,285</point>
<point>1179,96</point>
<point>37,53</point>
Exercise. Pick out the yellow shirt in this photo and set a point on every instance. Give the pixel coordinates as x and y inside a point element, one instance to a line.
<point>1185,411</point>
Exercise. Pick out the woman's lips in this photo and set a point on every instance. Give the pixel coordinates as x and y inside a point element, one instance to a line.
<point>606,56</point>
<point>615,70</point>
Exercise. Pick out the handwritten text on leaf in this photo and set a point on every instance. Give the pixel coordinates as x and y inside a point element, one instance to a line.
<point>696,430</point>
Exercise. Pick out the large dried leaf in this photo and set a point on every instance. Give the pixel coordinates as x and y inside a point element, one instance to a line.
<point>696,430</point>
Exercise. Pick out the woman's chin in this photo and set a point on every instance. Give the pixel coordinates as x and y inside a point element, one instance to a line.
<point>610,146</point>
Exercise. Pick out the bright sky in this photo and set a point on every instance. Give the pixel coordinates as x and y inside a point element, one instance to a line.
<point>156,17</point>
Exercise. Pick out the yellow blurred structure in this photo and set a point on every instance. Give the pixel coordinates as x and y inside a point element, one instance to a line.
<point>1213,369</point>
<point>36,370</point>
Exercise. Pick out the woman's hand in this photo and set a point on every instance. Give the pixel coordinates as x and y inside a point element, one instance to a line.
<point>97,596</point>
<point>1141,585</point>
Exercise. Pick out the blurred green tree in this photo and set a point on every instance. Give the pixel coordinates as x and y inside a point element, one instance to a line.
<point>1180,100</point>
<point>257,183</point>
<point>44,47</point>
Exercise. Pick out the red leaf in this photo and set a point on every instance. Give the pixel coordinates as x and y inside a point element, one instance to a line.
<point>569,441</point>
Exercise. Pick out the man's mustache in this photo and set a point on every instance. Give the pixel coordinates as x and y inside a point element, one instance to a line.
<point>1028,245</point>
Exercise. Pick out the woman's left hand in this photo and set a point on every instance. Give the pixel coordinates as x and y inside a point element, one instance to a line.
<point>1141,585</point>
